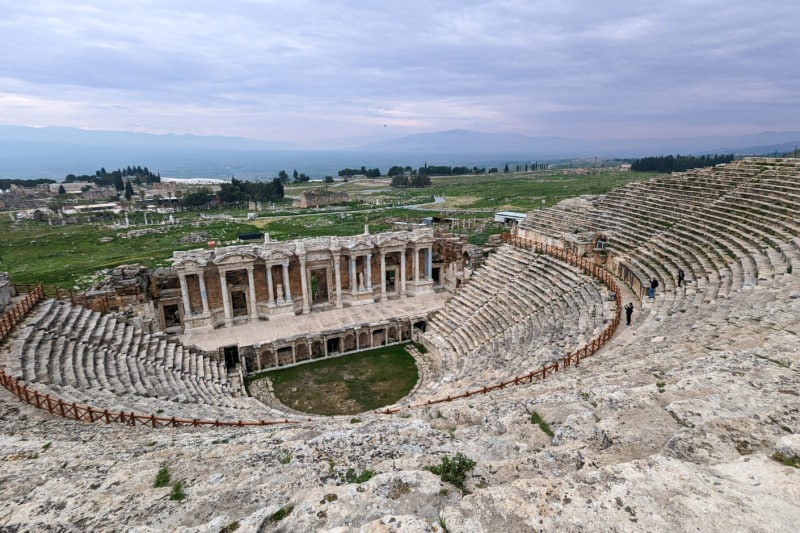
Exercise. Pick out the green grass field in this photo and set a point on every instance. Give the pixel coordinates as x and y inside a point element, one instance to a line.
<point>346,385</point>
<point>524,191</point>
<point>34,252</point>
<point>68,256</point>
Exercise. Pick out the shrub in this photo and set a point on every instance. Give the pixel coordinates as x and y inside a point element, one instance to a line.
<point>544,426</point>
<point>442,523</point>
<point>162,477</point>
<point>281,513</point>
<point>453,470</point>
<point>230,528</point>
<point>351,476</point>
<point>177,493</point>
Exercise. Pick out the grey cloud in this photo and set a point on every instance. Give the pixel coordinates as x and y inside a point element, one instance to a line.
<point>536,67</point>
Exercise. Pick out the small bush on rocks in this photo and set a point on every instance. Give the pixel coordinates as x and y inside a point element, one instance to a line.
<point>162,477</point>
<point>281,513</point>
<point>544,426</point>
<point>230,528</point>
<point>453,470</point>
<point>177,493</point>
<point>351,476</point>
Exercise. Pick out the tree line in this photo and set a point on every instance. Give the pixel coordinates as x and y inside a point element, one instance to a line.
<point>298,177</point>
<point>363,171</point>
<point>117,178</point>
<point>678,163</point>
<point>236,193</point>
<point>6,183</point>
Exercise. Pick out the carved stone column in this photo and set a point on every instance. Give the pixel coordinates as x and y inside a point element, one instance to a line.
<point>403,273</point>
<point>304,284</point>
<point>337,275</point>
<point>251,289</point>
<point>287,289</point>
<point>187,306</point>
<point>226,300</point>
<point>416,264</point>
<point>383,276</point>
<point>203,293</point>
<point>368,272</point>
<point>270,290</point>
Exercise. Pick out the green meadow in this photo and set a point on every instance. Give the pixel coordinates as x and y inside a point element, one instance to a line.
<point>71,255</point>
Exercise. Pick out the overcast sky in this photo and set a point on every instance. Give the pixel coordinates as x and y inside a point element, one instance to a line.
<point>308,71</point>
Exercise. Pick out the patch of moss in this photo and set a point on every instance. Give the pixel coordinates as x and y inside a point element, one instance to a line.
<point>786,460</point>
<point>281,513</point>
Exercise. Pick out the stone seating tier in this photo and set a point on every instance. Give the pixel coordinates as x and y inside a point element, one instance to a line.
<point>713,232</point>
<point>80,356</point>
<point>519,311</point>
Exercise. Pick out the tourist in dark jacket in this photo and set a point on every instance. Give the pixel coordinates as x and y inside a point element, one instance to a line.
<point>653,286</point>
<point>628,312</point>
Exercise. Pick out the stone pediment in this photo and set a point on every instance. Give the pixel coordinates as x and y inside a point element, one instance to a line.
<point>190,263</point>
<point>423,239</point>
<point>235,258</point>
<point>361,246</point>
<point>192,259</point>
<point>392,242</point>
<point>276,255</point>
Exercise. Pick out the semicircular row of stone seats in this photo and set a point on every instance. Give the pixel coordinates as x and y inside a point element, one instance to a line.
<point>519,311</point>
<point>84,357</point>
<point>730,228</point>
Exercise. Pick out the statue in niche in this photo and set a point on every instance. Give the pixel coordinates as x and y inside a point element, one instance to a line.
<point>361,281</point>
<point>279,290</point>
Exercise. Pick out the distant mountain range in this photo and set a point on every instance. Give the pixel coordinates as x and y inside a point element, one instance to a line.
<point>123,139</point>
<point>463,142</point>
<point>57,151</point>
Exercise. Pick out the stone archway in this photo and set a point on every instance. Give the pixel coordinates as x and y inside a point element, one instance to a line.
<point>301,351</point>
<point>363,340</point>
<point>349,343</point>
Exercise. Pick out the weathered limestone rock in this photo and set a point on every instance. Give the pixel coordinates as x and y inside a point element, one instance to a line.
<point>789,446</point>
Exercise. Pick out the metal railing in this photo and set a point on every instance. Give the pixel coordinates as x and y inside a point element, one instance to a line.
<point>57,406</point>
<point>19,310</point>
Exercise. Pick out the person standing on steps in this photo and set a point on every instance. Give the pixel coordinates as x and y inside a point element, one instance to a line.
<point>653,286</point>
<point>681,277</point>
<point>628,312</point>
